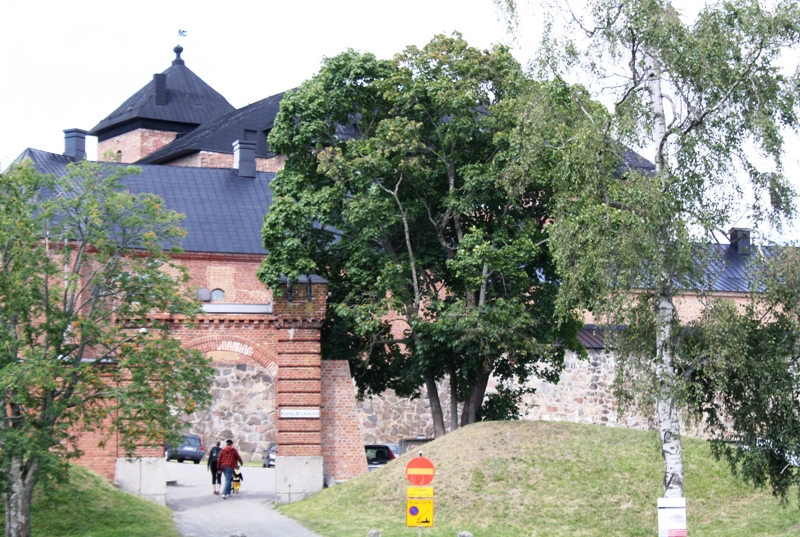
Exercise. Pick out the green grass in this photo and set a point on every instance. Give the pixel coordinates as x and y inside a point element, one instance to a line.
<point>88,506</point>
<point>545,479</point>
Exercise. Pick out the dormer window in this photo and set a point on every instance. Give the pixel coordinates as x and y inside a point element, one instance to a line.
<point>217,295</point>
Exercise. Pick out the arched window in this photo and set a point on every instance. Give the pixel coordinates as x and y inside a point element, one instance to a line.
<point>217,295</point>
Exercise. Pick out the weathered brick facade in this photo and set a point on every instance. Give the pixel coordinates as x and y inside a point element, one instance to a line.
<point>342,447</point>
<point>210,159</point>
<point>133,145</point>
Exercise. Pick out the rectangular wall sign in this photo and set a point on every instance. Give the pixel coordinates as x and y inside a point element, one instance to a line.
<point>299,413</point>
<point>672,517</point>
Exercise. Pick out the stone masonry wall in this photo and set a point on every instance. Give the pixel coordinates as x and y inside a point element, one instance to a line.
<point>386,418</point>
<point>243,407</point>
<point>584,394</point>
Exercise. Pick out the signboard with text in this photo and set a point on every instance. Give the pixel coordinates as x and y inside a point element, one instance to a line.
<point>672,517</point>
<point>420,492</point>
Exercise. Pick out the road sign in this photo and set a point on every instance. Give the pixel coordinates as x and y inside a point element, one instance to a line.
<point>420,471</point>
<point>419,513</point>
<point>420,492</point>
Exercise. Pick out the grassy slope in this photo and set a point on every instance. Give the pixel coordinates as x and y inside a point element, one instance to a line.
<point>504,479</point>
<point>89,506</point>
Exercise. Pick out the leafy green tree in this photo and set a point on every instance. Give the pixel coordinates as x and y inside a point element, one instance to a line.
<point>393,191</point>
<point>82,268</point>
<point>625,240</point>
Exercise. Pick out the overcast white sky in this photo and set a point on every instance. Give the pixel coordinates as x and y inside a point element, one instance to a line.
<point>69,63</point>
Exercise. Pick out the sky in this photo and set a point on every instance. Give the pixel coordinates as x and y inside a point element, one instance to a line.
<point>68,64</point>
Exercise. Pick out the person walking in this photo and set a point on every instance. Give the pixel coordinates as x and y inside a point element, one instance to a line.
<point>227,462</point>
<point>216,476</point>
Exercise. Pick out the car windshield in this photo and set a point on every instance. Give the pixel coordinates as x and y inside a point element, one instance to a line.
<point>376,453</point>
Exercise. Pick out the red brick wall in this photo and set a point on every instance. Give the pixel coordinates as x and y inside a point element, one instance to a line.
<point>133,145</point>
<point>103,460</point>
<point>342,447</point>
<point>286,342</point>
<point>209,159</point>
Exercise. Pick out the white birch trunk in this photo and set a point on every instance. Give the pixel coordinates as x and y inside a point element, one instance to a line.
<point>666,408</point>
<point>17,501</point>
<point>668,423</point>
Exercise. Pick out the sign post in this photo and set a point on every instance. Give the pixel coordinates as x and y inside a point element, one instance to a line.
<point>419,504</point>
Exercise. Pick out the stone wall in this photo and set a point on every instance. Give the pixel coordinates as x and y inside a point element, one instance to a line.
<point>584,394</point>
<point>243,408</point>
<point>387,418</point>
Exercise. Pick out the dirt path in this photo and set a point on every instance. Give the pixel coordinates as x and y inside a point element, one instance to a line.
<point>199,513</point>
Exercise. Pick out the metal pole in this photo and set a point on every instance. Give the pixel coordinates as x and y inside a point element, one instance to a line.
<point>420,530</point>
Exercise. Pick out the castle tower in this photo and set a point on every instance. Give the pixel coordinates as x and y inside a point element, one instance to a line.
<point>175,102</point>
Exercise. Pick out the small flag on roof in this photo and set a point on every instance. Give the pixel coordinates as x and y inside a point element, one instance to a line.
<point>182,33</point>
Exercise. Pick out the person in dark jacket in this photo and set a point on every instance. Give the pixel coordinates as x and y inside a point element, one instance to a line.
<point>216,475</point>
<point>228,460</point>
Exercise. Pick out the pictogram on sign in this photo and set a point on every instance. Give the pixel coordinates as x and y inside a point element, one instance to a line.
<point>419,513</point>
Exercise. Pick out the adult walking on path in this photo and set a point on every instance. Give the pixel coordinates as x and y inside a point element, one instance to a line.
<point>213,455</point>
<point>252,514</point>
<point>228,461</point>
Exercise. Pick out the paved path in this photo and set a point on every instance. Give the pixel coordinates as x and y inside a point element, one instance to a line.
<point>199,513</point>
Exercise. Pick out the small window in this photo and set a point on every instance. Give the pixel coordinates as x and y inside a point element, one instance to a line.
<point>217,295</point>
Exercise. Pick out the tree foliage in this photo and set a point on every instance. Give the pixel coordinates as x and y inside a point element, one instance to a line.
<point>82,273</point>
<point>697,96</point>
<point>393,190</point>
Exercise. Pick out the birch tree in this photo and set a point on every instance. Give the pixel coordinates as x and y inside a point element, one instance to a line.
<point>82,267</point>
<point>698,98</point>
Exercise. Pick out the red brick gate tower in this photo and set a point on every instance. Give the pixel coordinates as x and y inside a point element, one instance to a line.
<point>299,468</point>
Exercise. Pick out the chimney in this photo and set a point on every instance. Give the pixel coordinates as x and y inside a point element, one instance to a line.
<point>244,158</point>
<point>75,144</point>
<point>740,240</point>
<point>161,89</point>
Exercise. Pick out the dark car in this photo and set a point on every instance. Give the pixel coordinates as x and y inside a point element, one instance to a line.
<point>268,459</point>
<point>189,448</point>
<point>378,455</point>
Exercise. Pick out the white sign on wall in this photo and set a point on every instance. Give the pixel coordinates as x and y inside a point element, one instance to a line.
<point>299,413</point>
<point>672,517</point>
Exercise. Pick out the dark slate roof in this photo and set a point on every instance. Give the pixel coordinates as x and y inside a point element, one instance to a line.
<point>727,269</point>
<point>635,161</point>
<point>591,337</point>
<point>218,134</point>
<point>224,212</point>
<point>190,102</point>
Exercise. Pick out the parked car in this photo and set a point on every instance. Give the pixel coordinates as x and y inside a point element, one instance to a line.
<point>190,448</point>
<point>268,458</point>
<point>378,455</point>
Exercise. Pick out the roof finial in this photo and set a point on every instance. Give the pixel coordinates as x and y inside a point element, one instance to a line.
<point>177,50</point>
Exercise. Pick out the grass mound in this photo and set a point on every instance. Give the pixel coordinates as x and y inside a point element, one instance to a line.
<point>88,505</point>
<point>522,478</point>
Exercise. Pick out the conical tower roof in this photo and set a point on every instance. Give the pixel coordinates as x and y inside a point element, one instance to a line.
<point>184,102</point>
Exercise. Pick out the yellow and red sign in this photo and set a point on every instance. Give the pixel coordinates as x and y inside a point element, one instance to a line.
<point>420,471</point>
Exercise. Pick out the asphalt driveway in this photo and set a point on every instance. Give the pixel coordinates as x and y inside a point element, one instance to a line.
<point>199,513</point>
